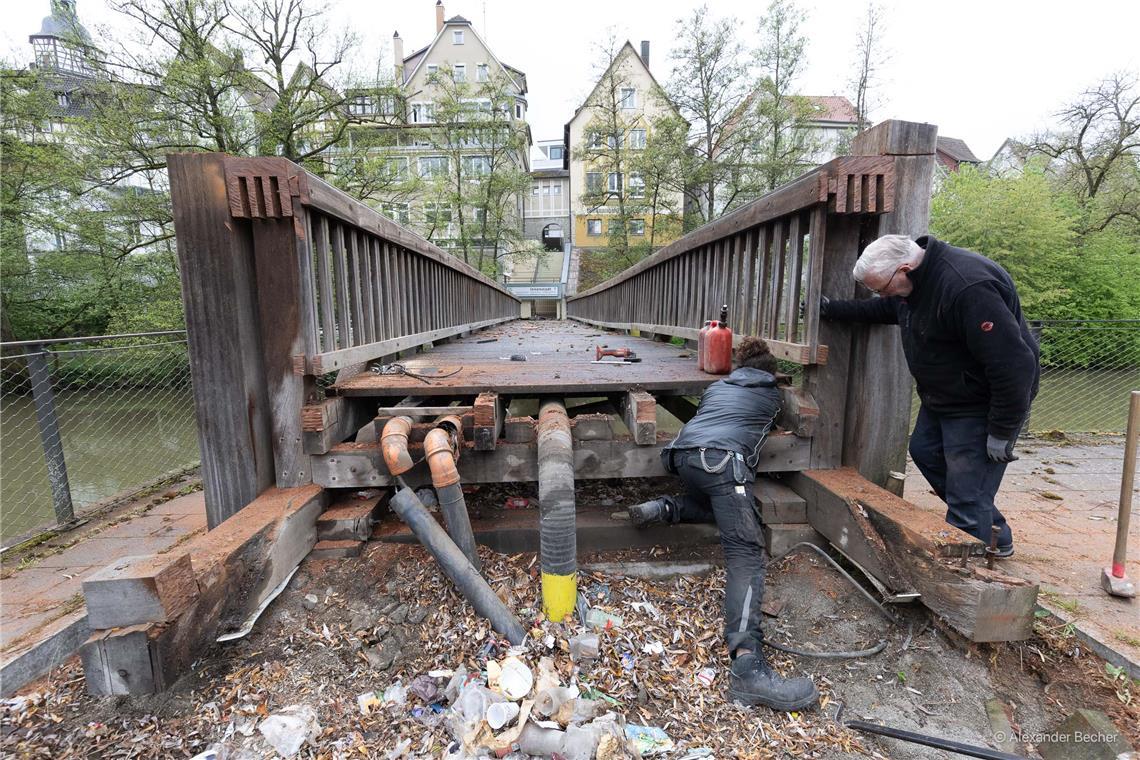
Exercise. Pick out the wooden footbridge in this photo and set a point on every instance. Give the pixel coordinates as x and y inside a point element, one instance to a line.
<point>313,321</point>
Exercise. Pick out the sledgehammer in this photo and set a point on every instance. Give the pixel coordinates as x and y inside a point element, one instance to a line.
<point>1113,579</point>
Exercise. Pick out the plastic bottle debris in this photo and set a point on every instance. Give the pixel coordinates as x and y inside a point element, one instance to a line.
<point>596,618</point>
<point>516,680</point>
<point>500,714</point>
<point>369,702</point>
<point>396,694</point>
<point>290,728</point>
<point>649,740</point>
<point>535,740</point>
<point>548,701</point>
<point>706,676</point>
<point>584,647</point>
<point>400,749</point>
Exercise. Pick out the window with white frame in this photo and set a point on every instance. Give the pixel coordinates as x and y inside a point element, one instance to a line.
<point>482,72</point>
<point>637,138</point>
<point>396,168</point>
<point>518,110</point>
<point>479,215</point>
<point>614,184</point>
<point>386,105</point>
<point>595,139</point>
<point>459,72</point>
<point>556,188</point>
<point>361,105</point>
<point>594,227</point>
<point>476,165</point>
<point>637,226</point>
<point>457,37</point>
<point>535,189</point>
<point>397,212</point>
<point>593,182</point>
<point>636,185</point>
<point>423,113</point>
<point>613,141</point>
<point>433,166</point>
<point>555,153</point>
<point>437,214</point>
<point>432,70</point>
<point>628,98</point>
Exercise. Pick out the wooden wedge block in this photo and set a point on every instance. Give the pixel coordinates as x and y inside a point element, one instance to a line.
<point>349,519</point>
<point>151,588</point>
<point>336,549</point>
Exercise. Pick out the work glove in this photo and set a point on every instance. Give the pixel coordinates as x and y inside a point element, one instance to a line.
<point>823,302</point>
<point>999,449</point>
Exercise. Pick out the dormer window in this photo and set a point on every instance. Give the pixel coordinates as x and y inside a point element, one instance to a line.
<point>457,37</point>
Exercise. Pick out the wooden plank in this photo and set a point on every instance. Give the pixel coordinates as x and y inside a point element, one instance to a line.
<point>879,392</point>
<point>362,465</point>
<point>818,238</point>
<point>350,519</point>
<point>278,246</point>
<point>424,411</point>
<point>333,420</point>
<point>639,411</point>
<point>152,588</point>
<point>216,265</point>
<point>778,503</point>
<point>983,605</point>
<point>795,266</point>
<point>798,353</point>
<point>333,360</point>
<point>324,283</point>
<point>490,411</point>
<point>592,427</point>
<point>237,566</point>
<point>799,412</point>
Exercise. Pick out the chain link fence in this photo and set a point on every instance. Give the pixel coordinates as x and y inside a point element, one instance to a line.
<point>1088,369</point>
<point>89,421</point>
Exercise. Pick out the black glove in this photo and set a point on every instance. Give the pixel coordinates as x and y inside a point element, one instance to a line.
<point>823,302</point>
<point>999,449</point>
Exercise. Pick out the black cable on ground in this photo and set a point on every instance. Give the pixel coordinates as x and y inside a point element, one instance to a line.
<point>924,739</point>
<point>888,615</point>
<point>829,655</point>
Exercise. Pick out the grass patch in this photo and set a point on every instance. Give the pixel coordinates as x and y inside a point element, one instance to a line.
<point>1125,638</point>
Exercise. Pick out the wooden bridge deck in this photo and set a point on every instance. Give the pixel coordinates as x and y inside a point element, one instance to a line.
<point>558,361</point>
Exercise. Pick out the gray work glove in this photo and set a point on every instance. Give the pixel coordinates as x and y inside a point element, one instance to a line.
<point>999,449</point>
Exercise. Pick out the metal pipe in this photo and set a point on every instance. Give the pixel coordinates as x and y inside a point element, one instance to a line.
<point>931,741</point>
<point>557,531</point>
<point>394,445</point>
<point>456,566</point>
<point>1127,478</point>
<point>440,449</point>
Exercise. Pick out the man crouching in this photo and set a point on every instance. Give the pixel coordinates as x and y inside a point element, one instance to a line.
<point>715,454</point>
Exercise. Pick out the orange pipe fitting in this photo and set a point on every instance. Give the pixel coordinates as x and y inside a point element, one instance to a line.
<point>394,445</point>
<point>441,458</point>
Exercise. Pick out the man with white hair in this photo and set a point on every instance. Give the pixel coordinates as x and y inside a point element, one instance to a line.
<point>972,356</point>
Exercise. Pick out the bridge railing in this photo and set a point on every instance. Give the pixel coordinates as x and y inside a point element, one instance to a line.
<point>285,279</point>
<point>786,250</point>
<point>764,260</point>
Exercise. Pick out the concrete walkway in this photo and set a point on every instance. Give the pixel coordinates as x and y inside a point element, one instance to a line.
<point>1062,499</point>
<point>41,593</point>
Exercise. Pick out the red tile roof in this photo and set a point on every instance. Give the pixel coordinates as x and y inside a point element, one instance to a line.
<point>833,108</point>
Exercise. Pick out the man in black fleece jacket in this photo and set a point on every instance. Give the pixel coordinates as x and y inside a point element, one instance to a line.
<point>716,454</point>
<point>972,356</point>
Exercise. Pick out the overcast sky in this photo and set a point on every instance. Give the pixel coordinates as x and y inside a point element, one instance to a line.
<point>981,70</point>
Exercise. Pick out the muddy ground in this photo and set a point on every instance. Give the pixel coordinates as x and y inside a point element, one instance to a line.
<point>346,627</point>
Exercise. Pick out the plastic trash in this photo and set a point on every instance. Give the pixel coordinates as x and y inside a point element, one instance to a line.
<point>500,714</point>
<point>706,676</point>
<point>426,688</point>
<point>580,742</point>
<point>516,680</point>
<point>473,702</point>
<point>596,618</point>
<point>649,740</point>
<point>455,685</point>
<point>400,749</point>
<point>289,728</point>
<point>548,701</point>
<point>396,694</point>
<point>540,741</point>
<point>584,647</point>
<point>215,752</point>
<point>368,702</point>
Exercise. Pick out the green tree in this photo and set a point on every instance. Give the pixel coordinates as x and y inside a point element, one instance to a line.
<point>712,84</point>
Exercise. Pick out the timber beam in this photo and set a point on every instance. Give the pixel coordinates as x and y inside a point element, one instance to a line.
<point>906,548</point>
<point>333,420</point>
<point>353,465</point>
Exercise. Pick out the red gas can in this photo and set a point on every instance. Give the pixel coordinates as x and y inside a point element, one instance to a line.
<point>701,345</point>
<point>718,346</point>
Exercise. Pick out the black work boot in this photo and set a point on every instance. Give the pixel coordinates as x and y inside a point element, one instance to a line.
<point>650,512</point>
<point>753,682</point>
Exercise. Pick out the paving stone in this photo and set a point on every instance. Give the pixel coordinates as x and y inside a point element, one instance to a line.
<point>103,551</point>
<point>1085,735</point>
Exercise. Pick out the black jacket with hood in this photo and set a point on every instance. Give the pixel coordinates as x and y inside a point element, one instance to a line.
<point>735,414</point>
<point>966,341</point>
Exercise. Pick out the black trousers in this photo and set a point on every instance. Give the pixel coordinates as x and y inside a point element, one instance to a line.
<point>719,497</point>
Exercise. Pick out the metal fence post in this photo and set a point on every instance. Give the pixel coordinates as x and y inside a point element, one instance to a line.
<point>49,435</point>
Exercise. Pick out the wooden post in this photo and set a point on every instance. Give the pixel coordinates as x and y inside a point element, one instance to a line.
<point>44,400</point>
<point>877,424</point>
<point>215,256</point>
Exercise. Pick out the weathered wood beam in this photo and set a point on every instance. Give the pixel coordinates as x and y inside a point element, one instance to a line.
<point>422,411</point>
<point>238,565</point>
<point>319,364</point>
<point>799,412</point>
<point>639,411</point>
<point>983,605</point>
<point>490,411</point>
<point>353,465</point>
<point>592,427</point>
<point>797,353</point>
<point>333,420</point>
